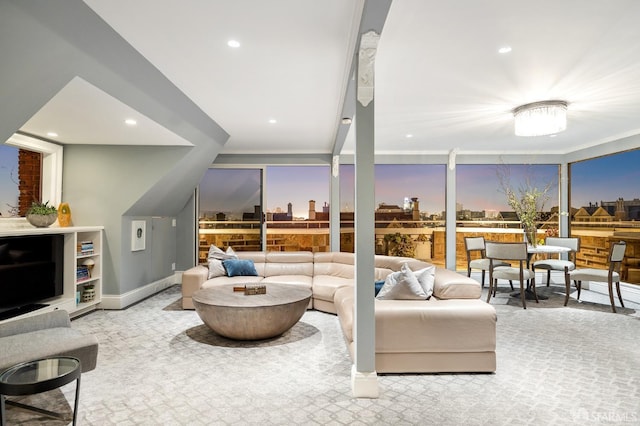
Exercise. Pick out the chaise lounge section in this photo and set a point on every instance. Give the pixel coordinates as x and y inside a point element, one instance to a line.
<point>45,335</point>
<point>452,331</point>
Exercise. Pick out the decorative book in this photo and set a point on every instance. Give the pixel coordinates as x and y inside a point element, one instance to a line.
<point>251,289</point>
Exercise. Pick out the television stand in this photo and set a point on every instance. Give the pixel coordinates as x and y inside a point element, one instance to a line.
<point>21,310</point>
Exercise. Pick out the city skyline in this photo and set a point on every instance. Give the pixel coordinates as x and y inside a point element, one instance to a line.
<point>606,178</point>
<point>593,181</point>
<point>395,182</point>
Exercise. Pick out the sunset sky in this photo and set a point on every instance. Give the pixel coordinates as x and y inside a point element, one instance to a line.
<point>8,185</point>
<point>478,188</point>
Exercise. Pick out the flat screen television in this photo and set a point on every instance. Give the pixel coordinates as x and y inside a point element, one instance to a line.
<point>31,270</point>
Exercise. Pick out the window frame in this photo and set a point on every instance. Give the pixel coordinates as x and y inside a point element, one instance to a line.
<point>52,156</point>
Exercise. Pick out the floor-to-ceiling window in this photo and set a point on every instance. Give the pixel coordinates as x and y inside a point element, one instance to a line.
<point>297,208</point>
<point>230,210</point>
<point>347,207</point>
<point>482,207</point>
<point>409,216</point>
<point>282,208</point>
<point>604,195</point>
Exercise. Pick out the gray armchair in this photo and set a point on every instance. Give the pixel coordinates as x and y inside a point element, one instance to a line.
<point>45,335</point>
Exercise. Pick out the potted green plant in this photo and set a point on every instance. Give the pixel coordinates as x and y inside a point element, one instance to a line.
<point>400,245</point>
<point>527,202</point>
<point>41,215</point>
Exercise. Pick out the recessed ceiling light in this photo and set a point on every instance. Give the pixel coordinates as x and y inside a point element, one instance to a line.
<point>504,49</point>
<point>130,122</point>
<point>273,121</point>
<point>408,136</point>
<point>233,43</point>
<point>52,134</point>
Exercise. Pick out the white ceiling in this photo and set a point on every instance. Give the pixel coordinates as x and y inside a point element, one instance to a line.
<point>83,114</point>
<point>439,76</point>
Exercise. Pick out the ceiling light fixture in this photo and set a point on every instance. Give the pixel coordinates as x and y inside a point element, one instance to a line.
<point>130,122</point>
<point>346,120</point>
<point>540,118</point>
<point>52,134</point>
<point>233,43</point>
<point>504,49</point>
<point>273,121</point>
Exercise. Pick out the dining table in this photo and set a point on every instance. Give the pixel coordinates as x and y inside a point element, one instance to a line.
<point>539,249</point>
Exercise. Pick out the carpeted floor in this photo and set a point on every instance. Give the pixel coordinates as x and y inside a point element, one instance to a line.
<point>158,365</point>
<point>553,297</point>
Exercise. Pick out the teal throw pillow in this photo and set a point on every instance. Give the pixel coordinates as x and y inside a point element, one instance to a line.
<point>378,285</point>
<point>240,267</point>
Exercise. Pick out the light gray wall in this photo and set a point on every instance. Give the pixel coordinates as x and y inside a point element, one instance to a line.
<point>46,44</point>
<point>154,262</point>
<point>187,231</point>
<point>100,183</point>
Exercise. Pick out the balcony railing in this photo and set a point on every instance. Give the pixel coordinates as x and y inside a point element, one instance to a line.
<point>430,237</point>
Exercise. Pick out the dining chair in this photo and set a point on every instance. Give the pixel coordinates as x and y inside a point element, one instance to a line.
<point>497,252</point>
<point>474,247</point>
<point>572,243</point>
<point>610,276</point>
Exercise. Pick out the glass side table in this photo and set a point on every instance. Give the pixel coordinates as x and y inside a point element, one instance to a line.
<point>33,377</point>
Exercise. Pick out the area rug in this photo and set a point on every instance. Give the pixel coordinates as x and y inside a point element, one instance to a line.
<point>301,330</point>
<point>53,400</point>
<point>554,298</point>
<point>160,367</point>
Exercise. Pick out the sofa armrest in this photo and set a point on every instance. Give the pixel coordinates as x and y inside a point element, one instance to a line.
<point>192,280</point>
<point>452,285</point>
<point>53,319</point>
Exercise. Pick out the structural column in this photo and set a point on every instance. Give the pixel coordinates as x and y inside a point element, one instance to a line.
<point>450,223</point>
<point>364,379</point>
<point>563,192</point>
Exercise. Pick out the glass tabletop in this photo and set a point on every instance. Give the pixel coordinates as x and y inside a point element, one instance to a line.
<point>32,372</point>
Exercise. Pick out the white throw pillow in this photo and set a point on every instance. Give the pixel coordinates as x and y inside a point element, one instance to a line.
<point>426,277</point>
<point>402,285</point>
<point>216,269</point>
<point>217,253</point>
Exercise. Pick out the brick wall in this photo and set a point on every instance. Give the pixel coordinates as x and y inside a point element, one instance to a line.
<point>29,178</point>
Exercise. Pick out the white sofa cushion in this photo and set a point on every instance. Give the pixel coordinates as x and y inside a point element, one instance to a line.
<point>288,263</point>
<point>325,286</point>
<point>451,285</point>
<point>290,279</point>
<point>230,280</point>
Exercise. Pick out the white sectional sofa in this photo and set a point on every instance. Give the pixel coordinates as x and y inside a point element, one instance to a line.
<point>452,331</point>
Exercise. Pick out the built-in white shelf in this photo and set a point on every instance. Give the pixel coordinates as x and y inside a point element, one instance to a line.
<point>73,258</point>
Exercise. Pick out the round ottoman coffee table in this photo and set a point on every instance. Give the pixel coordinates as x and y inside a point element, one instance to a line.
<point>238,316</point>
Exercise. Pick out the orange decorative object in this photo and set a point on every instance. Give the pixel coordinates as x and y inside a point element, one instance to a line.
<point>64,215</point>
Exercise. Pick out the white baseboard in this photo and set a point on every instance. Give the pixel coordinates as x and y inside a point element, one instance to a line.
<point>121,301</point>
